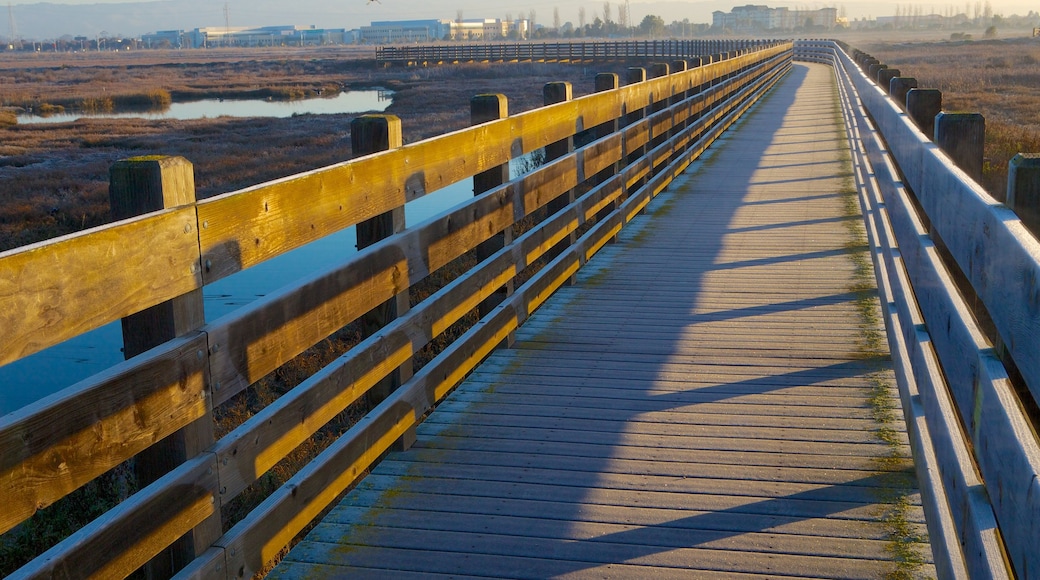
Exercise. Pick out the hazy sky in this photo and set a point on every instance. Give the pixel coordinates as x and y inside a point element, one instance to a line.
<point>569,8</point>
<point>48,20</point>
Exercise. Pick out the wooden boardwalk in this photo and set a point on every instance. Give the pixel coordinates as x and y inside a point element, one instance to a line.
<point>699,404</point>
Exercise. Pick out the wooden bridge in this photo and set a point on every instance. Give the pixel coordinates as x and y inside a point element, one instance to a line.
<point>812,352</point>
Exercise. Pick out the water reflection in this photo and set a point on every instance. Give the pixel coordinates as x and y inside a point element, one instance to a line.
<point>348,102</point>
<point>32,378</point>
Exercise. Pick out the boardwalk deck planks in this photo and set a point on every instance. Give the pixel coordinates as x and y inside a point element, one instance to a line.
<point>657,417</point>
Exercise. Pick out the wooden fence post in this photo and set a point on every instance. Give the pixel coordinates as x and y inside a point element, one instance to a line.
<point>873,70</point>
<point>898,87</point>
<point>1023,191</point>
<point>658,70</point>
<point>962,136</point>
<point>607,82</point>
<point>485,108</point>
<point>635,75</point>
<point>552,93</point>
<point>137,186</point>
<point>679,66</point>
<point>372,134</point>
<point>923,105</point>
<point>885,76</point>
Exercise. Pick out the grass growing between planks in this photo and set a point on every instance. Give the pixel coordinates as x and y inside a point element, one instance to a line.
<point>895,470</point>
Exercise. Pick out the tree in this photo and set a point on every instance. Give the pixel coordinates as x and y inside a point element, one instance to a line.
<point>556,19</point>
<point>581,17</point>
<point>652,25</point>
<point>606,13</point>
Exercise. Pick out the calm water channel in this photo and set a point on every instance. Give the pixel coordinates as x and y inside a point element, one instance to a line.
<point>63,365</point>
<point>348,102</point>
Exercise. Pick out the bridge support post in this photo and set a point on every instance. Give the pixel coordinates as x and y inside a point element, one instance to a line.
<point>552,93</point>
<point>372,134</point>
<point>962,136</point>
<point>485,108</point>
<point>898,87</point>
<point>923,105</point>
<point>1023,191</point>
<point>138,186</point>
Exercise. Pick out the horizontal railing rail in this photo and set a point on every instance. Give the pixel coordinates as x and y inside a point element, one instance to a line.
<point>58,289</point>
<point>560,51</point>
<point>974,443</point>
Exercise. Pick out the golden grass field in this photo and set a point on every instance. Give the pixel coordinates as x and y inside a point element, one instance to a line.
<point>999,78</point>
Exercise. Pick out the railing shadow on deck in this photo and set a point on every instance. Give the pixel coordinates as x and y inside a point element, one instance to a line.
<point>601,428</point>
<point>159,261</point>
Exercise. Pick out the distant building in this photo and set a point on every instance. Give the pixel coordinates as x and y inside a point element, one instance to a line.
<point>164,39</point>
<point>752,18</point>
<point>388,32</point>
<point>212,36</point>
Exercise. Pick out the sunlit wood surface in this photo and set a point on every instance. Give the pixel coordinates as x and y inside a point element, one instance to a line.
<point>698,404</point>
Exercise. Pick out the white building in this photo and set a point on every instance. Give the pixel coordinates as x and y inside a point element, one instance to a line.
<point>214,36</point>
<point>752,18</point>
<point>411,31</point>
<point>388,32</point>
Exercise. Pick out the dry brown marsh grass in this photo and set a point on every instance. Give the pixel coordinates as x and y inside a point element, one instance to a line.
<point>998,78</point>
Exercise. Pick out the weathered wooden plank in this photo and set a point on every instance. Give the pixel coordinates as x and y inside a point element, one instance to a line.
<point>680,393</point>
<point>54,446</point>
<point>604,551</point>
<point>708,404</point>
<point>599,465</point>
<point>770,430</point>
<point>119,542</point>
<point>754,424</point>
<point>572,482</point>
<point>674,534</point>
<point>406,498</point>
<point>726,504</point>
<point>389,561</point>
<point>446,434</point>
<point>55,290</point>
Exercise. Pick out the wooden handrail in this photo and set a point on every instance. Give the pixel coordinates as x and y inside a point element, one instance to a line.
<point>559,51</point>
<point>54,446</point>
<point>969,430</point>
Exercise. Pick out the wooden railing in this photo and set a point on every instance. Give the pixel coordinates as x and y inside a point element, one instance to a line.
<point>948,256</point>
<point>561,51</point>
<point>148,270</point>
